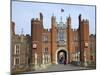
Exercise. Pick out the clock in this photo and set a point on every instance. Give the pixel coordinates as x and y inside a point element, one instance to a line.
<point>34,45</point>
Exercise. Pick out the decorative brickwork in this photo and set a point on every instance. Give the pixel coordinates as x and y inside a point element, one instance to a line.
<point>57,45</point>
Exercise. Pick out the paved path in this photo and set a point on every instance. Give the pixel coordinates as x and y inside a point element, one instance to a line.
<point>59,67</point>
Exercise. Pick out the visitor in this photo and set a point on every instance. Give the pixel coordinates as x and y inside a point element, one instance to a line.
<point>65,62</point>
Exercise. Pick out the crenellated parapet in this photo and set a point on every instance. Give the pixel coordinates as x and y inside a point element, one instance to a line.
<point>85,21</point>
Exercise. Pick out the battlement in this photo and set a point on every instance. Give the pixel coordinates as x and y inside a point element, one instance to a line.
<point>85,21</point>
<point>46,30</point>
<point>75,30</point>
<point>35,20</point>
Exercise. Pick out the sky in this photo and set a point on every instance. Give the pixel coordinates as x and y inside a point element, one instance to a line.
<point>23,12</point>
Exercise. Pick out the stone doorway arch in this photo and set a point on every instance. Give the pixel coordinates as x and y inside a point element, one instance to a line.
<point>61,55</point>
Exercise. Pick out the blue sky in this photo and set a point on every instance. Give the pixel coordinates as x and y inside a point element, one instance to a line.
<point>23,12</point>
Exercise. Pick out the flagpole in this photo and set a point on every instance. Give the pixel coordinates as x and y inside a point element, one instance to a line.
<point>62,10</point>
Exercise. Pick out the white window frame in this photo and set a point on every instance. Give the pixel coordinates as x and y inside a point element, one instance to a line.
<point>15,60</point>
<point>17,51</point>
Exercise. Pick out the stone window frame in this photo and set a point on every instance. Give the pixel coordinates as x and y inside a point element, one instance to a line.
<point>17,49</point>
<point>46,50</point>
<point>16,60</point>
<point>45,37</point>
<point>61,35</point>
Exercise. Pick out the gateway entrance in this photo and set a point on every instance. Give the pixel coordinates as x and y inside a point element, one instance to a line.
<point>61,57</point>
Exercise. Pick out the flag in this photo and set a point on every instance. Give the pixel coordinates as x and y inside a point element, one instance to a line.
<point>62,10</point>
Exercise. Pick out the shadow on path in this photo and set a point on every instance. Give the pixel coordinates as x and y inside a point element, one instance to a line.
<point>59,67</point>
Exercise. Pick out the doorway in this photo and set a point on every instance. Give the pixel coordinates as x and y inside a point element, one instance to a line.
<point>61,56</point>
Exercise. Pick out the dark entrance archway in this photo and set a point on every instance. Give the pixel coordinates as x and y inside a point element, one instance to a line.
<point>61,56</point>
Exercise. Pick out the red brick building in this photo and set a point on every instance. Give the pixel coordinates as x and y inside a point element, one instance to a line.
<point>61,42</point>
<point>56,45</point>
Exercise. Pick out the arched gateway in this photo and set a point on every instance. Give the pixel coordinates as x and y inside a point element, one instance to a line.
<point>61,56</point>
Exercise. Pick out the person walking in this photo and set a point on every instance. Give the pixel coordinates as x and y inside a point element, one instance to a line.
<point>64,61</point>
